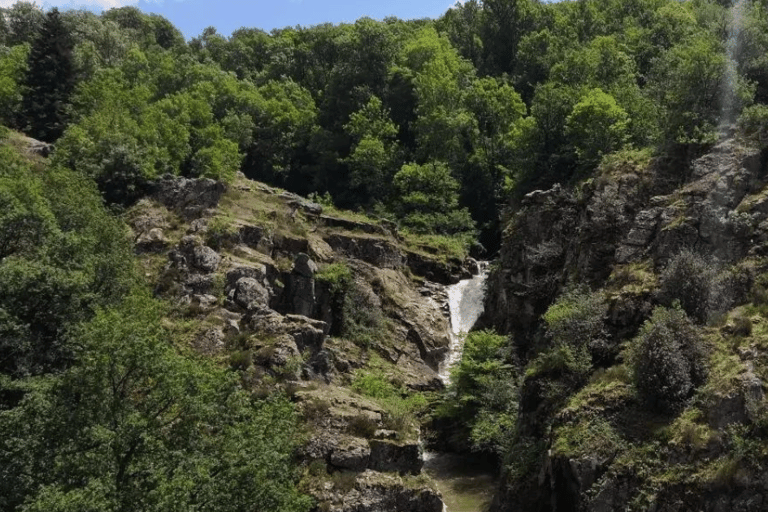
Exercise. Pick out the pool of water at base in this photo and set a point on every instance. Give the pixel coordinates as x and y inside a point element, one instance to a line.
<point>465,483</point>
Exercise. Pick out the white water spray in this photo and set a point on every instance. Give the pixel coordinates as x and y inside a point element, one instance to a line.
<point>731,78</point>
<point>465,300</point>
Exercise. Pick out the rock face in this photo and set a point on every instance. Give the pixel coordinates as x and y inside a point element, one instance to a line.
<point>377,492</point>
<point>619,229</point>
<point>393,456</point>
<point>253,273</point>
<point>189,197</point>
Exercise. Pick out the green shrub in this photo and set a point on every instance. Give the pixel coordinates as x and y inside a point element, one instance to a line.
<point>753,121</point>
<point>688,278</point>
<point>668,359</point>
<point>577,319</point>
<point>338,276</point>
<point>400,405</point>
<point>484,393</point>
<point>562,360</point>
<point>363,321</point>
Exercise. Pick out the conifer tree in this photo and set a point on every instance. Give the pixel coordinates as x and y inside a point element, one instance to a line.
<point>49,80</point>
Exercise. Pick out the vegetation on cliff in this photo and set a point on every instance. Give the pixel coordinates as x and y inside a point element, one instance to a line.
<point>581,138</point>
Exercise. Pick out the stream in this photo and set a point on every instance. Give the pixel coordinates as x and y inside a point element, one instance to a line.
<point>467,485</point>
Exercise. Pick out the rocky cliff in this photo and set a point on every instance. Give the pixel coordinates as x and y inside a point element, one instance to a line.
<point>627,234</point>
<point>313,302</point>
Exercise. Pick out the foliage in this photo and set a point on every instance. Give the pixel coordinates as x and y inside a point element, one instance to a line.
<point>689,279</point>
<point>668,359</point>
<point>337,275</point>
<point>363,321</point>
<point>596,126</point>
<point>61,257</point>
<point>483,394</point>
<point>753,122</point>
<point>400,405</point>
<point>13,68</point>
<point>427,200</point>
<point>575,325</point>
<point>49,80</point>
<point>132,425</point>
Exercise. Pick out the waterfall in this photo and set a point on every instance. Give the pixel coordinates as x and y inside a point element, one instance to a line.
<point>462,483</point>
<point>731,78</point>
<point>465,301</point>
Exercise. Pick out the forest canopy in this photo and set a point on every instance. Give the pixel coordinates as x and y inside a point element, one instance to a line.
<point>507,95</point>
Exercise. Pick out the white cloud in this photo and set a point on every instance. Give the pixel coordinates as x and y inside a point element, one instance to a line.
<point>76,4</point>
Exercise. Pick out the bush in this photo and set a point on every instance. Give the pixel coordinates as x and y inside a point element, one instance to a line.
<point>668,359</point>
<point>336,275</point>
<point>688,278</point>
<point>576,319</point>
<point>363,321</point>
<point>484,393</point>
<point>753,121</point>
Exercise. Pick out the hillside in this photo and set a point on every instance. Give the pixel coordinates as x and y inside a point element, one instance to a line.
<point>640,332</point>
<point>224,262</point>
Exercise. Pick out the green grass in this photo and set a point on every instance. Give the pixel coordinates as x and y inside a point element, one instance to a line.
<point>401,406</point>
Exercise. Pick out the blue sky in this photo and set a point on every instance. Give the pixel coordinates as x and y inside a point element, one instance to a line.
<point>192,16</point>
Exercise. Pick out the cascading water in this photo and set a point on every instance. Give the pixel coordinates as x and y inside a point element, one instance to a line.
<point>466,486</point>
<point>465,301</point>
<point>729,108</point>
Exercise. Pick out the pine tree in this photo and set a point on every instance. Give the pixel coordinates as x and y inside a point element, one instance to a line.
<point>49,80</point>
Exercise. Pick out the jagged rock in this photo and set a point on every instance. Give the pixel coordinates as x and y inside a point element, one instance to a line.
<point>189,197</point>
<point>320,251</point>
<point>153,240</point>
<point>308,334</point>
<point>204,303</point>
<point>433,269</point>
<point>297,202</point>
<point>300,290</point>
<point>376,251</point>
<point>199,284</point>
<point>252,236</point>
<point>639,236</point>
<point>376,492</point>
<point>392,456</point>
<point>210,342</point>
<point>37,147</point>
<point>248,293</point>
<point>289,244</point>
<point>352,225</point>
<point>304,266</point>
<point>205,258</point>
<point>257,272</point>
<point>738,406</point>
<point>279,355</point>
<point>352,454</point>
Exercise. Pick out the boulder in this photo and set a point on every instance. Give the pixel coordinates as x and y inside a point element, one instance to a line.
<point>303,266</point>
<point>377,492</point>
<point>248,293</point>
<point>206,259</point>
<point>352,454</point>
<point>189,197</point>
<point>301,286</point>
<point>296,202</point>
<point>257,272</point>
<point>153,241</point>
<point>376,251</point>
<point>307,333</point>
<point>392,456</point>
<point>279,356</point>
